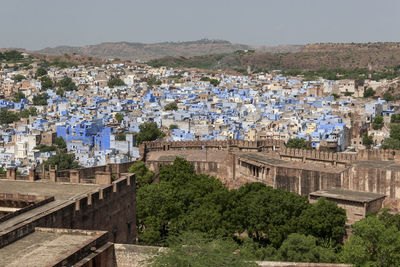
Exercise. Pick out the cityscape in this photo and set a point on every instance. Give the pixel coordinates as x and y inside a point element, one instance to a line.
<point>280,148</point>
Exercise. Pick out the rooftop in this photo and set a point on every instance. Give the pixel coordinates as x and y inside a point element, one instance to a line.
<point>344,194</point>
<point>62,192</point>
<point>46,247</point>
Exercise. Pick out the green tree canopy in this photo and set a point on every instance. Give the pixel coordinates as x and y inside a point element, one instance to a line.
<point>63,161</point>
<point>325,221</point>
<point>19,77</point>
<point>297,143</point>
<point>367,140</point>
<point>25,113</point>
<point>47,83</point>
<point>173,126</point>
<point>18,96</point>
<point>59,142</point>
<point>67,84</point>
<point>41,72</point>
<point>114,82</point>
<point>369,92</point>
<point>301,248</point>
<point>142,174</point>
<point>194,249</point>
<point>171,106</point>
<point>7,117</point>
<point>377,124</point>
<point>372,244</point>
<point>148,131</point>
<point>40,100</point>
<point>119,117</point>
<point>395,118</point>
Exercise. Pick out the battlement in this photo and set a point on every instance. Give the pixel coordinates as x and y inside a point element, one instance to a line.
<point>271,145</point>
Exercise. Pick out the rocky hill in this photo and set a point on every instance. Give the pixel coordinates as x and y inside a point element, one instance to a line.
<point>309,57</point>
<point>145,52</point>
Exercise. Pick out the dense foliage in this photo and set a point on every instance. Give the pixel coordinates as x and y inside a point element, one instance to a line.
<point>115,82</point>
<point>148,131</point>
<point>63,161</point>
<point>143,175</point>
<point>258,218</point>
<point>7,116</point>
<point>171,106</point>
<point>119,117</point>
<point>40,100</point>
<point>367,140</point>
<point>41,71</point>
<point>393,142</point>
<point>46,82</point>
<point>214,82</point>
<point>377,124</point>
<point>18,96</point>
<point>297,143</point>
<point>375,241</point>
<point>369,92</point>
<point>11,55</point>
<point>67,84</point>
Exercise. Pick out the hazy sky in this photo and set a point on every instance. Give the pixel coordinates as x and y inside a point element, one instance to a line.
<point>35,24</point>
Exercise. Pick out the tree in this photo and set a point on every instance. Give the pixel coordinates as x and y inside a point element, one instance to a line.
<point>7,117</point>
<point>19,77</point>
<point>267,215</point>
<point>121,137</point>
<point>18,96</point>
<point>119,117</point>
<point>367,140</point>
<point>173,126</point>
<point>297,143</point>
<point>41,72</point>
<point>143,175</point>
<point>388,97</point>
<point>369,92</point>
<point>32,111</point>
<point>67,84</point>
<point>372,244</point>
<point>113,82</point>
<point>59,142</point>
<point>171,106</point>
<point>46,82</point>
<point>63,161</point>
<point>45,148</point>
<point>301,248</point>
<point>325,221</point>
<point>194,249</point>
<point>153,81</point>
<point>377,123</point>
<point>40,100</point>
<point>395,118</point>
<point>148,131</point>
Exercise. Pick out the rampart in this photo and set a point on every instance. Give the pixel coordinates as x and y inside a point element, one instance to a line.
<point>297,170</point>
<point>112,208</point>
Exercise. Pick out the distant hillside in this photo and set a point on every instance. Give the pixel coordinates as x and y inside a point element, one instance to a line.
<point>146,52</point>
<point>309,57</point>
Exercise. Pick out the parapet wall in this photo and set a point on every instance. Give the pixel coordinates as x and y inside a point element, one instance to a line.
<point>112,208</point>
<point>277,146</point>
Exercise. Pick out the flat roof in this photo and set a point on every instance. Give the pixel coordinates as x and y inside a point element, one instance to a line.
<point>62,192</point>
<point>45,247</point>
<point>345,194</point>
<point>273,161</point>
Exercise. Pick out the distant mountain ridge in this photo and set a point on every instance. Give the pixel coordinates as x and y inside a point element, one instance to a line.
<point>145,52</point>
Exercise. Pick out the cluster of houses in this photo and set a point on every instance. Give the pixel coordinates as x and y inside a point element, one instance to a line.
<point>251,107</point>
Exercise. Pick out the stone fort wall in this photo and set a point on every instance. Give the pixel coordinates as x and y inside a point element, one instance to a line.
<point>343,169</point>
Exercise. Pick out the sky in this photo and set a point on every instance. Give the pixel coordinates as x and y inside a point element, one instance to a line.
<point>36,24</point>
